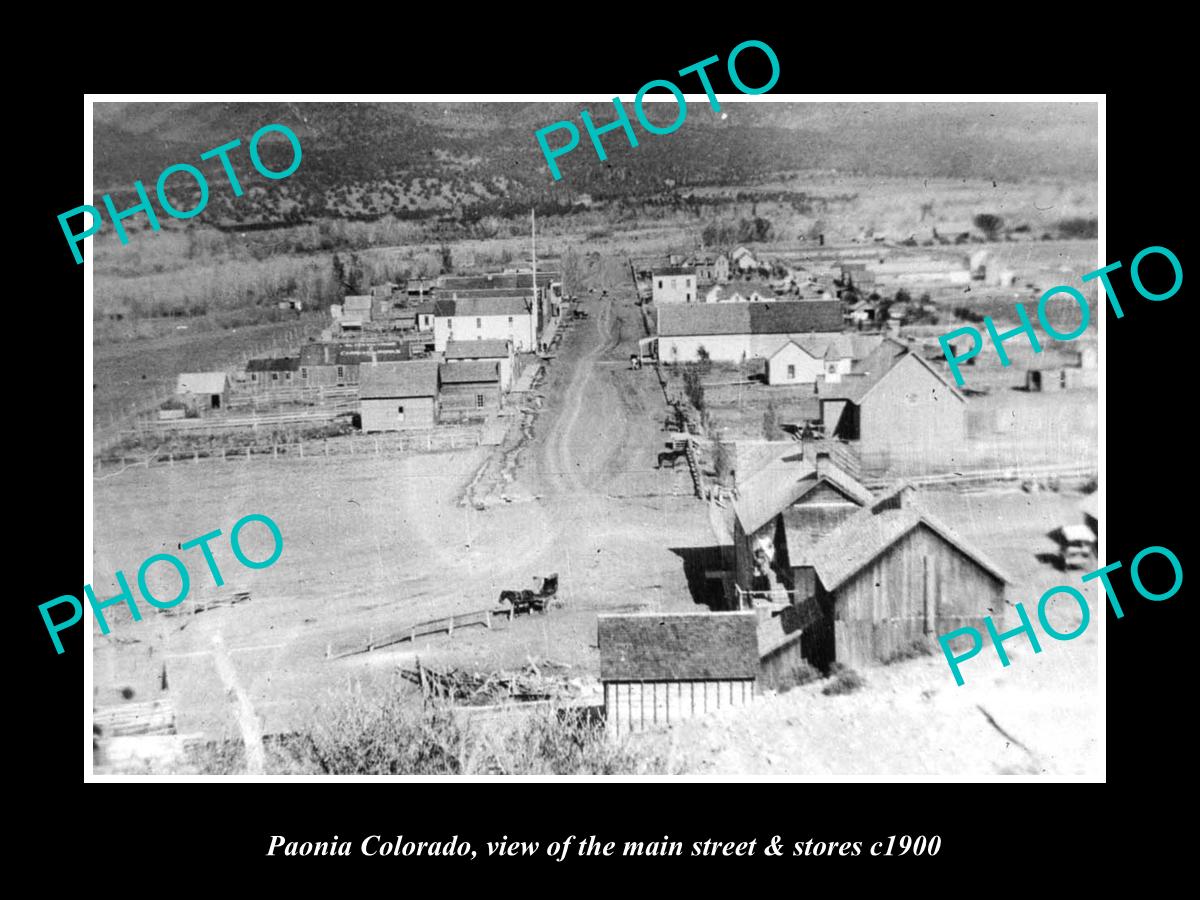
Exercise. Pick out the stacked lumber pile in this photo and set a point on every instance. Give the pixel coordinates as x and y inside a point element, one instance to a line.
<point>533,681</point>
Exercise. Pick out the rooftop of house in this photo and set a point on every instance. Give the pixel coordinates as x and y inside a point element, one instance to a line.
<point>868,533</point>
<point>678,646</point>
<point>673,270</point>
<point>481,306</point>
<point>474,371</point>
<point>869,371</point>
<point>201,383</point>
<point>274,364</point>
<point>358,303</point>
<point>414,378</point>
<point>782,317</point>
<point>478,349</point>
<point>774,488</point>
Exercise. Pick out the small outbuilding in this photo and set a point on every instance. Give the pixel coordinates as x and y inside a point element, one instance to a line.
<point>202,390</point>
<point>662,668</point>
<point>792,364</point>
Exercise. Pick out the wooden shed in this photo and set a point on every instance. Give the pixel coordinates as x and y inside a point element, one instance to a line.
<point>661,668</point>
<point>398,396</point>
<point>894,573</point>
<point>469,389</point>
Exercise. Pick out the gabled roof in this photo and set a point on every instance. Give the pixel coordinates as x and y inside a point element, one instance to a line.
<point>768,492</point>
<point>415,378</point>
<point>201,383</point>
<point>872,530</point>
<point>475,371</point>
<point>805,350</point>
<point>478,349</point>
<point>871,370</point>
<point>678,646</point>
<point>777,317</point>
<point>852,346</point>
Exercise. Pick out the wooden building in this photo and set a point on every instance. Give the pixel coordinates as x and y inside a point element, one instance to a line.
<point>266,375</point>
<point>470,389</point>
<point>499,352</point>
<point>849,578</point>
<point>662,668</point>
<point>897,408</point>
<point>399,396</point>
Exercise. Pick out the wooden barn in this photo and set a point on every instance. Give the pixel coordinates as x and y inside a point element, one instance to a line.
<point>399,396</point>
<point>892,574</point>
<point>469,389</point>
<point>662,668</point>
<point>898,408</point>
<point>839,575</point>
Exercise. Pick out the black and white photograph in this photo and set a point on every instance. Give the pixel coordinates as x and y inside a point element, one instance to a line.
<point>468,438</point>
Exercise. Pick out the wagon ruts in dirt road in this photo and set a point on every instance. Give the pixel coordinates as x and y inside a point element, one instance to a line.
<point>528,601</point>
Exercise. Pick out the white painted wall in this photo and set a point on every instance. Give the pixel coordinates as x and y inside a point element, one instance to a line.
<point>520,330</point>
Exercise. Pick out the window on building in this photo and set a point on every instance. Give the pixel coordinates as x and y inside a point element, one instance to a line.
<point>510,320</point>
<point>689,297</point>
<point>400,413</point>
<point>287,376</point>
<point>341,373</point>
<point>274,376</point>
<point>673,283</point>
<point>479,323</point>
<point>791,373</point>
<point>660,283</point>
<point>479,400</point>
<point>303,372</point>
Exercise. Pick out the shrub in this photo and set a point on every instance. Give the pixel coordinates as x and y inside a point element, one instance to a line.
<point>845,681</point>
<point>913,650</point>
<point>801,673</point>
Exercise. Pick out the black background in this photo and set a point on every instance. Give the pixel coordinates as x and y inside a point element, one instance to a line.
<point>204,836</point>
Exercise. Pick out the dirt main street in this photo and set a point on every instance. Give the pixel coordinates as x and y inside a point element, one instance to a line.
<point>374,545</point>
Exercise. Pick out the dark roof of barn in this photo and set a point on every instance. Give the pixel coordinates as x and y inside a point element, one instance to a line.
<point>778,317</point>
<point>476,371</point>
<point>870,532</point>
<point>678,646</point>
<point>415,378</point>
<point>277,364</point>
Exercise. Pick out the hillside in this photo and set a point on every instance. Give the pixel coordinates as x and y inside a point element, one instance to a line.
<point>413,160</point>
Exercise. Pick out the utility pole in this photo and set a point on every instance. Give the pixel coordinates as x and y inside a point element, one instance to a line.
<point>534,310</point>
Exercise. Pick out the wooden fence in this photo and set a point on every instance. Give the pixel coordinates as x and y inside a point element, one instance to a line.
<point>446,624</point>
<point>357,446</point>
